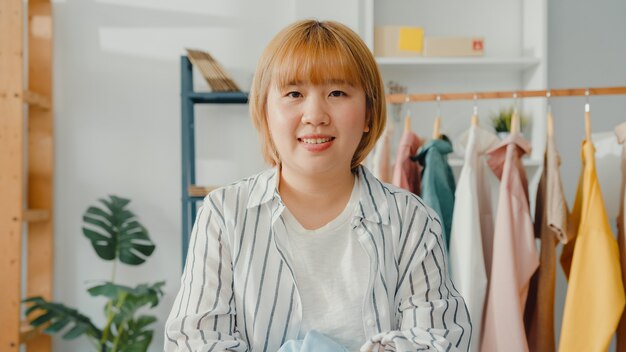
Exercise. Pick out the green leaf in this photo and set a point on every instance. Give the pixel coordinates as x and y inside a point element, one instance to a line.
<point>115,233</point>
<point>136,337</point>
<point>101,244</point>
<point>59,316</point>
<point>74,332</point>
<point>58,325</point>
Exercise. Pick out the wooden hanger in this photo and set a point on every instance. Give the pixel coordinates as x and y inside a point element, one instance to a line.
<point>514,128</point>
<point>474,119</point>
<point>514,122</point>
<point>587,123</point>
<point>550,124</point>
<point>437,124</point>
<point>436,134</point>
<point>407,122</point>
<point>550,119</point>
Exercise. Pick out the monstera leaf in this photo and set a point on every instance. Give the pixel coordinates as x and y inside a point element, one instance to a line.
<point>58,316</point>
<point>127,300</point>
<point>136,337</point>
<point>115,232</point>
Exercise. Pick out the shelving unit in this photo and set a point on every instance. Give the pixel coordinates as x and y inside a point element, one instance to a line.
<point>448,63</point>
<point>192,193</point>
<point>515,55</point>
<point>26,164</point>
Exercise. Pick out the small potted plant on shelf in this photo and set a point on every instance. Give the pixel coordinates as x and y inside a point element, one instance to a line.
<point>501,121</point>
<point>115,234</point>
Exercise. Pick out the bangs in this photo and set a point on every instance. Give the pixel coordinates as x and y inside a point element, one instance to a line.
<point>316,62</point>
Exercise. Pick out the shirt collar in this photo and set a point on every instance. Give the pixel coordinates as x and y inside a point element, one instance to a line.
<point>372,200</point>
<point>264,187</point>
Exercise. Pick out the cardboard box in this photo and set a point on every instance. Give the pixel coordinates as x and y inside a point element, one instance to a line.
<point>398,41</point>
<point>453,46</point>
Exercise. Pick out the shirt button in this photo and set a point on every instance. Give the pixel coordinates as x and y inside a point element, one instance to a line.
<point>370,322</point>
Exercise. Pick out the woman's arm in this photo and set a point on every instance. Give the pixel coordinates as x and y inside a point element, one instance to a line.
<point>434,315</point>
<point>203,317</point>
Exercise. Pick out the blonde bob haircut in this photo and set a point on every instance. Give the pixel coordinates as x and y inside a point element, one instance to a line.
<point>315,52</point>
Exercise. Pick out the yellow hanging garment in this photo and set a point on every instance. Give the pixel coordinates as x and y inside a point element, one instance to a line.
<point>595,296</point>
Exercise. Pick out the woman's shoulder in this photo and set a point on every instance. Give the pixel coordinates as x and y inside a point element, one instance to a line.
<point>244,192</point>
<point>404,201</point>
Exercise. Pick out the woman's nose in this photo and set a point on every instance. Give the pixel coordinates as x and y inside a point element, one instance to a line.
<point>315,112</point>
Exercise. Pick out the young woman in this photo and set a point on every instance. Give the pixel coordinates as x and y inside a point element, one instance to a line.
<point>316,243</point>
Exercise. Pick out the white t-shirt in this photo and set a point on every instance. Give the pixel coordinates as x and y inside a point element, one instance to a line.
<point>332,272</point>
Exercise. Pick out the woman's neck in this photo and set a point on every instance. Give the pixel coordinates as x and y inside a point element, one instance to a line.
<point>315,199</point>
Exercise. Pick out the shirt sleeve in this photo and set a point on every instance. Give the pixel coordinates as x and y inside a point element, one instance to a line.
<point>433,315</point>
<point>203,317</point>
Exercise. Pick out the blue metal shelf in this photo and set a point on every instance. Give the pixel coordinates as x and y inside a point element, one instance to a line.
<point>217,97</point>
<point>188,99</point>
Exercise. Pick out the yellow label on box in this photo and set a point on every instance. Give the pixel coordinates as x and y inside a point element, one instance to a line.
<point>410,39</point>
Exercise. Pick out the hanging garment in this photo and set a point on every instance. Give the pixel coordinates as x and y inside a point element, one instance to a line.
<point>406,172</point>
<point>595,296</point>
<point>515,257</point>
<point>438,185</point>
<point>620,132</point>
<point>472,223</point>
<point>381,163</point>
<point>551,226</point>
<point>384,163</point>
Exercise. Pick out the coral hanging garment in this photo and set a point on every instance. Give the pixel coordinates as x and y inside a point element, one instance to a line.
<point>406,172</point>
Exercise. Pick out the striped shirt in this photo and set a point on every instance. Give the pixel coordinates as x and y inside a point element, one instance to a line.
<point>238,290</point>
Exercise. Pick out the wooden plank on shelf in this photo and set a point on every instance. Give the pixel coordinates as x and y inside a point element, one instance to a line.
<point>28,332</point>
<point>212,71</point>
<point>200,191</point>
<point>40,160</point>
<point>12,164</point>
<point>36,215</point>
<point>38,100</point>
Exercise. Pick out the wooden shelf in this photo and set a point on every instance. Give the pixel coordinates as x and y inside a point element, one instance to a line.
<point>461,63</point>
<point>27,160</point>
<point>36,215</point>
<point>28,332</point>
<point>196,191</point>
<point>38,100</point>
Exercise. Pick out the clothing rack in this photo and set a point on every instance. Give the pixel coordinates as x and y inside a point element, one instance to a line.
<point>570,92</point>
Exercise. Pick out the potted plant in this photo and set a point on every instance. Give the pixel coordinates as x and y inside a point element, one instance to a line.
<point>116,235</point>
<point>501,121</point>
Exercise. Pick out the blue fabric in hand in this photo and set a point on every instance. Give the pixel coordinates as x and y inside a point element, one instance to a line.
<point>313,342</point>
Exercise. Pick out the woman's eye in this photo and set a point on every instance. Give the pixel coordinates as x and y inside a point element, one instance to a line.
<point>294,94</point>
<point>337,93</point>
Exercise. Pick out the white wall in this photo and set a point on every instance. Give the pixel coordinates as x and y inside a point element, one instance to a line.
<point>586,49</point>
<point>117,110</point>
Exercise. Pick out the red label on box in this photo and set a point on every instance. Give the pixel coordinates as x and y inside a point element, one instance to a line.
<point>477,45</point>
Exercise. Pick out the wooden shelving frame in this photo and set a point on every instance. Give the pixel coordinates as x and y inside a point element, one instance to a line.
<point>26,167</point>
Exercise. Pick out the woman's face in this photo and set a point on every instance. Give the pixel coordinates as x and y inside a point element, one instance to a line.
<point>316,128</point>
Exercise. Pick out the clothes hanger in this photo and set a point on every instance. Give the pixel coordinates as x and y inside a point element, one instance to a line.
<point>587,118</point>
<point>550,119</point>
<point>514,118</point>
<point>474,119</point>
<point>437,124</point>
<point>407,118</point>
